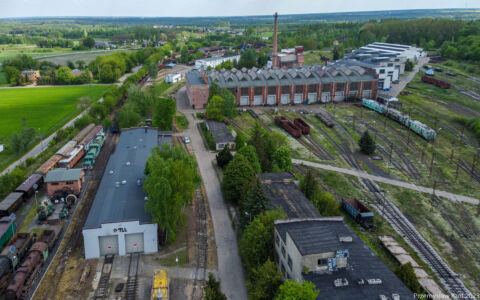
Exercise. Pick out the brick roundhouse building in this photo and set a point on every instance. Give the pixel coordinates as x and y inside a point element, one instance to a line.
<point>309,84</point>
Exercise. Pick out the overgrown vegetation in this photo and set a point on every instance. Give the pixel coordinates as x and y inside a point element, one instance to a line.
<point>171,180</point>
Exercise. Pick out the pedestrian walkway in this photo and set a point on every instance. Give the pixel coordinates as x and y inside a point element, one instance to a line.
<point>411,186</point>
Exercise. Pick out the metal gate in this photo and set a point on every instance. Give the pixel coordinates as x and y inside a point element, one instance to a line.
<point>257,100</point>
<point>134,243</point>
<point>297,98</point>
<point>244,100</point>
<point>108,244</point>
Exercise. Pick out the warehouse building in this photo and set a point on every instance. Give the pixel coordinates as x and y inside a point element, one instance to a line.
<point>214,61</point>
<point>117,222</point>
<point>326,252</point>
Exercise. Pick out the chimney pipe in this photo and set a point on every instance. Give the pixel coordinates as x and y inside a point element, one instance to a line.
<point>275,54</point>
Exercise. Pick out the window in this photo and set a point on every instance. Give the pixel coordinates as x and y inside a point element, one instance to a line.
<point>272,90</point>
<point>283,269</point>
<point>277,240</point>
<point>322,262</point>
<point>54,183</point>
<point>233,91</point>
<point>367,85</point>
<point>326,87</point>
<point>354,86</point>
<point>390,65</point>
<point>283,252</point>
<point>299,89</point>
<point>312,88</point>
<point>290,262</point>
<point>244,91</point>
<point>339,87</point>
<point>258,91</point>
<point>382,71</point>
<point>285,89</point>
<point>69,182</point>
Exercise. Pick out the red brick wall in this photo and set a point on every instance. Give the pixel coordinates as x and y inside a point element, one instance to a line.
<point>197,95</point>
<point>76,186</point>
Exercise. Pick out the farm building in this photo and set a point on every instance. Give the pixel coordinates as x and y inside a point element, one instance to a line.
<point>221,135</point>
<point>61,178</point>
<point>28,186</point>
<point>310,84</point>
<point>284,194</point>
<point>10,203</point>
<point>337,261</point>
<point>117,222</point>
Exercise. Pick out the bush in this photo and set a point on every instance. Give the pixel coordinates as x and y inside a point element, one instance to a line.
<point>82,122</point>
<point>407,275</point>
<point>208,136</point>
<point>30,161</point>
<point>212,289</point>
<point>200,115</point>
<point>367,144</point>
<point>224,157</point>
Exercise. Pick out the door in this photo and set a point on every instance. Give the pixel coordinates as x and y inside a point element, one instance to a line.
<point>134,242</point>
<point>257,100</point>
<point>108,244</point>
<point>244,100</point>
<point>297,98</point>
<point>312,98</point>
<point>325,97</point>
<point>272,100</point>
<point>285,99</point>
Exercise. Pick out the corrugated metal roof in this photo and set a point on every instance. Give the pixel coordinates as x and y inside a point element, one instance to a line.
<point>29,182</point>
<point>62,174</point>
<point>9,200</point>
<point>125,202</point>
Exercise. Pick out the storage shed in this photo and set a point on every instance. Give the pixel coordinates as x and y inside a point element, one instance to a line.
<point>223,138</point>
<point>117,222</point>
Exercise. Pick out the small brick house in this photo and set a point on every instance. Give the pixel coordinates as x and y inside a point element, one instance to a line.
<point>61,178</point>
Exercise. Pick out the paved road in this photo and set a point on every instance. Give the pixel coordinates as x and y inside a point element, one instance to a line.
<point>44,143</point>
<point>361,174</point>
<point>230,269</point>
<point>404,80</point>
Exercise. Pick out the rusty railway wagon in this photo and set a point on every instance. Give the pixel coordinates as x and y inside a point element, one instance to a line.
<point>288,126</point>
<point>437,82</point>
<point>325,118</point>
<point>302,125</point>
<point>30,268</point>
<point>22,242</point>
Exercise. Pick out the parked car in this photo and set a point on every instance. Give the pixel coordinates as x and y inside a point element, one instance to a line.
<point>187,140</point>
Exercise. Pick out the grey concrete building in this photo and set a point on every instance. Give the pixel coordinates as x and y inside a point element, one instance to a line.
<point>326,252</point>
<point>222,136</point>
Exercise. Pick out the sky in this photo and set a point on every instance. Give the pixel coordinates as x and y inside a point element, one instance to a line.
<point>192,8</point>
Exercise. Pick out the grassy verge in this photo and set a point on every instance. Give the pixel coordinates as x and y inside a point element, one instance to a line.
<point>170,260</point>
<point>181,120</point>
<point>207,137</point>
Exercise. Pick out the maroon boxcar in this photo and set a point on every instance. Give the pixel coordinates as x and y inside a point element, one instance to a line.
<point>302,125</point>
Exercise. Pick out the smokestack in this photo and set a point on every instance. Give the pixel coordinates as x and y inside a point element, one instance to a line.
<point>275,54</point>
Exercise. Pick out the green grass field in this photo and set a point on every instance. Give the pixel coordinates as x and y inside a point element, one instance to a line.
<point>46,108</point>
<point>9,51</point>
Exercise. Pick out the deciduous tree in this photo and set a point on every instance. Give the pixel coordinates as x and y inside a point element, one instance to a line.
<point>291,290</point>
<point>264,281</point>
<point>251,155</point>
<point>237,178</point>
<point>224,157</point>
<point>164,113</point>
<point>214,109</point>
<point>212,289</point>
<point>282,158</point>
<point>254,204</point>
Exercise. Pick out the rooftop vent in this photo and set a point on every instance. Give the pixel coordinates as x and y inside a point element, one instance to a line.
<point>124,182</point>
<point>146,198</point>
<point>383,297</point>
<point>110,172</point>
<point>117,184</point>
<point>361,282</point>
<point>374,281</point>
<point>345,239</point>
<point>339,282</point>
<point>128,163</point>
<point>396,296</point>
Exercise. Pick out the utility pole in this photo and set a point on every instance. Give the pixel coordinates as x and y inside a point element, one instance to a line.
<point>434,186</point>
<point>474,163</point>
<point>456,171</point>
<point>408,128</point>
<point>391,146</point>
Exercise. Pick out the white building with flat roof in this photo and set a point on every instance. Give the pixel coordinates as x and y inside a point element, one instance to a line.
<point>215,61</point>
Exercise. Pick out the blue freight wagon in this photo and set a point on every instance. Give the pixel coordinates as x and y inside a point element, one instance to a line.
<point>359,212</point>
<point>7,229</point>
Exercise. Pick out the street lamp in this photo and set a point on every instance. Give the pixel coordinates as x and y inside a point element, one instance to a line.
<point>475,158</point>
<point>36,192</point>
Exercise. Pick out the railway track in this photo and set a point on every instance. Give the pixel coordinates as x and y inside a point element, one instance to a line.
<point>404,227</point>
<point>74,231</point>
<point>260,121</point>
<point>131,284</point>
<point>468,169</point>
<point>101,293</point>
<point>201,258</point>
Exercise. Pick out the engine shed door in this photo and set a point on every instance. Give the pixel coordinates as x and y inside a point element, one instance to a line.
<point>108,244</point>
<point>134,243</point>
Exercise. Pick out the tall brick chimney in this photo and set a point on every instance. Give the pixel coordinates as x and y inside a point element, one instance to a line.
<point>275,54</point>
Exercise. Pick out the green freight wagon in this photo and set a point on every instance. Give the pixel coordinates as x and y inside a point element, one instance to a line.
<point>7,229</point>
